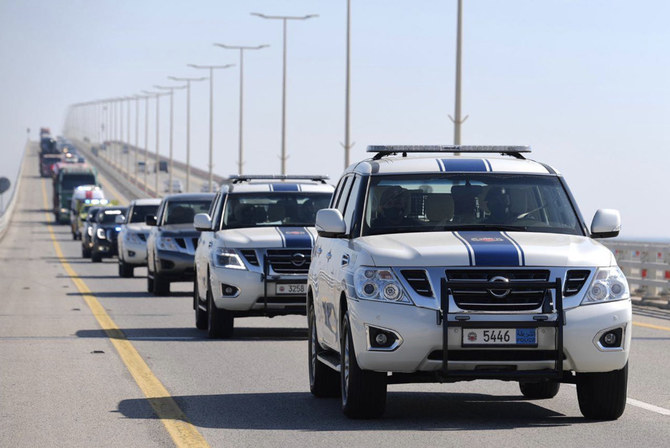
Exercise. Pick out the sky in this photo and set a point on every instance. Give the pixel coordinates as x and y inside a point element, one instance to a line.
<point>585,83</point>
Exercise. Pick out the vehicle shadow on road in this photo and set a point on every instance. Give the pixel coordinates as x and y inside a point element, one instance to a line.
<point>149,334</point>
<point>268,334</point>
<point>405,411</point>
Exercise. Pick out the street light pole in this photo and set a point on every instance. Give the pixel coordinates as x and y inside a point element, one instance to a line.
<point>240,161</point>
<point>456,119</point>
<point>347,89</point>
<point>211,69</point>
<point>157,95</point>
<point>128,141</point>
<point>171,89</point>
<point>188,125</point>
<point>284,19</point>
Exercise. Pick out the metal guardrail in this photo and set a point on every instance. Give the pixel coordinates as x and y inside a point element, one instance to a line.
<point>646,266</point>
<point>6,216</point>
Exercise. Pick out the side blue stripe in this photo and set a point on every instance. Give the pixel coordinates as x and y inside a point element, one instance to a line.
<point>296,237</point>
<point>464,165</point>
<point>492,249</point>
<point>460,238</point>
<point>284,187</point>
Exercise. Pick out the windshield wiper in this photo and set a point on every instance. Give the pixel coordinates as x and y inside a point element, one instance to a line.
<point>486,227</point>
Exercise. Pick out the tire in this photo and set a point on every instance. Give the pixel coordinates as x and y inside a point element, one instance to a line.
<point>220,323</point>
<point>602,396</point>
<point>74,236</point>
<point>324,382</point>
<point>539,391</point>
<point>363,391</point>
<point>96,257</point>
<point>161,285</point>
<point>85,252</point>
<point>200,315</point>
<point>126,270</point>
<point>150,282</point>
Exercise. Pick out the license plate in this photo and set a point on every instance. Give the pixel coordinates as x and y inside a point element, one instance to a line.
<point>500,336</point>
<point>292,289</point>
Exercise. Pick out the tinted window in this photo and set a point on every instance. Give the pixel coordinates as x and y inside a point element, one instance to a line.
<point>469,201</point>
<point>182,212</point>
<point>140,211</point>
<point>273,209</point>
<point>109,216</point>
<point>350,209</point>
<point>72,181</point>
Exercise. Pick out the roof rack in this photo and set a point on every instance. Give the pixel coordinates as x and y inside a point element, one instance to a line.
<point>385,150</point>
<point>239,178</point>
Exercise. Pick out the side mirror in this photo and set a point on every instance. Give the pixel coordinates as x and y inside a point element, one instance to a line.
<point>150,220</point>
<point>606,223</point>
<point>120,219</point>
<point>330,223</point>
<point>202,222</point>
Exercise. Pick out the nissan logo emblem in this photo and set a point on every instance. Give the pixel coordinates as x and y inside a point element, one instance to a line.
<point>298,259</point>
<point>499,293</point>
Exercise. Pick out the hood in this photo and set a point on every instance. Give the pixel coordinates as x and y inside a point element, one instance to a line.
<point>138,227</point>
<point>179,230</point>
<point>492,249</point>
<point>268,237</point>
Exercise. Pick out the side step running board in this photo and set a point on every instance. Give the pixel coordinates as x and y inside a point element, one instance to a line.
<point>330,359</point>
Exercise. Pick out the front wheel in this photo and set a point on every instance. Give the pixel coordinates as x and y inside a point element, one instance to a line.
<point>161,285</point>
<point>220,322</point>
<point>363,391</point>
<point>125,270</point>
<point>602,396</point>
<point>323,381</point>
<point>200,314</point>
<point>96,257</point>
<point>543,390</point>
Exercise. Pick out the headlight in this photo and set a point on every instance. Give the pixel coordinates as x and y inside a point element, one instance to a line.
<point>608,285</point>
<point>89,230</point>
<point>379,284</point>
<point>227,258</point>
<point>100,233</point>
<point>133,238</point>
<point>167,243</point>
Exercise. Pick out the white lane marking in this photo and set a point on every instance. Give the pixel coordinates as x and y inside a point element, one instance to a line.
<point>643,405</point>
<point>648,407</point>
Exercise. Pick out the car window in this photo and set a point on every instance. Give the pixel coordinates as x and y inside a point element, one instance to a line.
<point>344,194</point>
<point>273,209</point>
<point>351,204</point>
<point>182,212</point>
<point>469,201</point>
<point>140,212</point>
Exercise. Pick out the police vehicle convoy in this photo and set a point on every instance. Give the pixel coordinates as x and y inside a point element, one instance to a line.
<point>456,263</point>
<point>255,249</point>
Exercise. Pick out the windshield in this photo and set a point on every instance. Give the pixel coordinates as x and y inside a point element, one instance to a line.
<point>141,211</point>
<point>72,181</point>
<point>109,216</point>
<point>182,212</point>
<point>273,209</point>
<point>472,201</point>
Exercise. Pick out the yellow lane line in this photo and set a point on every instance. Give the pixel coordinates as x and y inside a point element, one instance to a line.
<point>183,433</point>
<point>655,327</point>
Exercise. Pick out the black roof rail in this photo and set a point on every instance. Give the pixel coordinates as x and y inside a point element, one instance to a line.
<point>386,150</point>
<point>239,178</point>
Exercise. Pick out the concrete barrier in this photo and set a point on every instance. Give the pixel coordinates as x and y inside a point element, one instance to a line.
<point>6,217</point>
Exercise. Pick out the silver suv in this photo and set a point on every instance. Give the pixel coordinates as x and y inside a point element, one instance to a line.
<point>456,267</point>
<point>255,249</point>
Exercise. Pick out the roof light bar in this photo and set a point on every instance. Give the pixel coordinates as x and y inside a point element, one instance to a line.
<point>447,148</point>
<point>237,178</point>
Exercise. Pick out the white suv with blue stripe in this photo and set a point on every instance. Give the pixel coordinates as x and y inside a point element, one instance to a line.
<point>255,249</point>
<point>473,264</point>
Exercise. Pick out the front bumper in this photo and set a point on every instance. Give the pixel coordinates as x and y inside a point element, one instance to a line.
<point>422,333</point>
<point>135,253</point>
<point>105,248</point>
<point>254,295</point>
<point>175,266</point>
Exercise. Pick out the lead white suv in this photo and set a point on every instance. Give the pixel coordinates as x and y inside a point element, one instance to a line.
<point>456,267</point>
<point>255,248</point>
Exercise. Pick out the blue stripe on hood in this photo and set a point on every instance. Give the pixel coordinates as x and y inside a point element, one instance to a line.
<point>297,237</point>
<point>492,249</point>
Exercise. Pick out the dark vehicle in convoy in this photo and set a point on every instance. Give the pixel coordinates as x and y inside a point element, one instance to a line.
<point>64,183</point>
<point>87,231</point>
<point>47,162</point>
<point>105,232</point>
<point>173,239</point>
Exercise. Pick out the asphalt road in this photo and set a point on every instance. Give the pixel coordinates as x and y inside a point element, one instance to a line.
<point>66,381</point>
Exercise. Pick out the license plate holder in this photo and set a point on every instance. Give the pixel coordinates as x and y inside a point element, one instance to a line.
<point>290,289</point>
<point>499,337</point>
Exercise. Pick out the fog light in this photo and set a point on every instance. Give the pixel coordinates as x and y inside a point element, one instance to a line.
<point>228,290</point>
<point>131,253</point>
<point>612,339</point>
<point>380,339</point>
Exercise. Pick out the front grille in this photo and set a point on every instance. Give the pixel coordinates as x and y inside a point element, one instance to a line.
<point>507,298</point>
<point>418,280</point>
<point>289,261</point>
<point>250,256</point>
<point>181,242</point>
<point>142,236</point>
<point>574,281</point>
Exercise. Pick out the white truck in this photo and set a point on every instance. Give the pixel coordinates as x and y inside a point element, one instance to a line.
<point>456,263</point>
